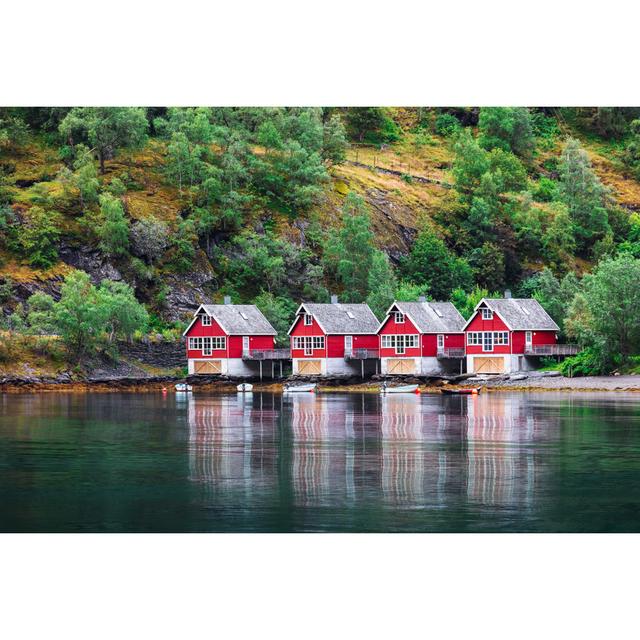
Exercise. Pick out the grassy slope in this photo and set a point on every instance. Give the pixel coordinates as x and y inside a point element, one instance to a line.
<point>398,206</point>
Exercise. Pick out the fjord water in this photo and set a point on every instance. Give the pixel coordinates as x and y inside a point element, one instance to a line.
<point>349,462</point>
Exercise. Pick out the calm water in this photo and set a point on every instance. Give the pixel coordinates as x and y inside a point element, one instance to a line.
<point>263,462</point>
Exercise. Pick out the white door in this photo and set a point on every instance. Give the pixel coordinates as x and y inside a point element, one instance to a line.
<point>348,345</point>
<point>440,343</point>
<point>245,344</point>
<point>528,340</point>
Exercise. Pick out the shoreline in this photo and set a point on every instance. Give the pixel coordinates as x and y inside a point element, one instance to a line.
<point>157,384</point>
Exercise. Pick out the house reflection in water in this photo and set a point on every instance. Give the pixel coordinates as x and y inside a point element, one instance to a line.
<point>323,450</point>
<point>501,466</point>
<point>231,443</point>
<point>399,451</point>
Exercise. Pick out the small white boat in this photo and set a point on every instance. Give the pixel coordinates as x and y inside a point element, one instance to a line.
<point>245,387</point>
<point>183,387</point>
<point>300,388</point>
<point>407,388</point>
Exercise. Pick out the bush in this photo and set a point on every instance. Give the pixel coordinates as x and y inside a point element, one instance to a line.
<point>585,363</point>
<point>447,125</point>
<point>547,190</point>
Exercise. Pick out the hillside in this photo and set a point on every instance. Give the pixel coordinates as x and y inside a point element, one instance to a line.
<point>188,205</point>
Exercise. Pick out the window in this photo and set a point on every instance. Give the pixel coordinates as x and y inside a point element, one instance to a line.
<point>218,343</point>
<point>487,314</point>
<point>474,338</point>
<point>206,321</point>
<point>487,341</point>
<point>501,337</point>
<point>206,346</point>
<point>308,319</point>
<point>308,342</point>
<point>398,317</point>
<point>195,344</point>
<point>440,342</point>
<point>399,342</point>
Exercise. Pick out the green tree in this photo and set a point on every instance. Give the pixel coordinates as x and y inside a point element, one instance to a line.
<point>553,294</point>
<point>488,264</point>
<point>13,130</point>
<point>77,315</point>
<point>507,128</point>
<point>120,313</point>
<point>278,310</point>
<point>335,143</point>
<point>183,243</point>
<point>631,154</point>
<point>465,302</point>
<point>584,195</point>
<point>382,284</point>
<point>39,236</point>
<point>40,314</point>
<point>106,129</point>
<point>431,263</point>
<point>113,230</point>
<point>349,250</point>
<point>372,124</point>
<point>610,311</point>
<point>410,291</point>
<point>85,176</point>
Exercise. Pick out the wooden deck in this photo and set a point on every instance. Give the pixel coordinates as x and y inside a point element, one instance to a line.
<point>267,354</point>
<point>552,350</point>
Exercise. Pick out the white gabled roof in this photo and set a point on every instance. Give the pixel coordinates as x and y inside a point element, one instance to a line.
<point>236,319</point>
<point>340,319</point>
<point>518,314</point>
<point>429,317</point>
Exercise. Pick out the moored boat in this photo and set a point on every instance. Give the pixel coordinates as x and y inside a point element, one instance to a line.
<point>245,387</point>
<point>407,388</point>
<point>183,387</point>
<point>300,388</point>
<point>472,391</point>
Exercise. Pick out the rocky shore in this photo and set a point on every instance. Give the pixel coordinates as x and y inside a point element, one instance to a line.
<point>137,381</point>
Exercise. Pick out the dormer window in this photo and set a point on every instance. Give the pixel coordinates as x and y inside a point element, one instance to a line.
<point>206,320</point>
<point>308,319</point>
<point>487,314</point>
<point>398,317</point>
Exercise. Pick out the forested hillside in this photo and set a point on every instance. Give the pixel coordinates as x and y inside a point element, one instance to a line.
<point>117,222</point>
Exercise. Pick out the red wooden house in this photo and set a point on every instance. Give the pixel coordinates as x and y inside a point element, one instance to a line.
<point>334,339</point>
<point>509,334</point>
<point>420,338</point>
<point>231,339</point>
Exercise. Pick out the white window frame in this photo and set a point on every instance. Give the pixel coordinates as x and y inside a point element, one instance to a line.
<point>206,346</point>
<point>318,342</point>
<point>400,342</point>
<point>501,338</point>
<point>474,338</point>
<point>528,339</point>
<point>195,344</point>
<point>487,314</point>
<point>398,317</point>
<point>308,319</point>
<point>219,343</point>
<point>206,320</point>
<point>487,341</point>
<point>348,344</point>
<point>440,342</point>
